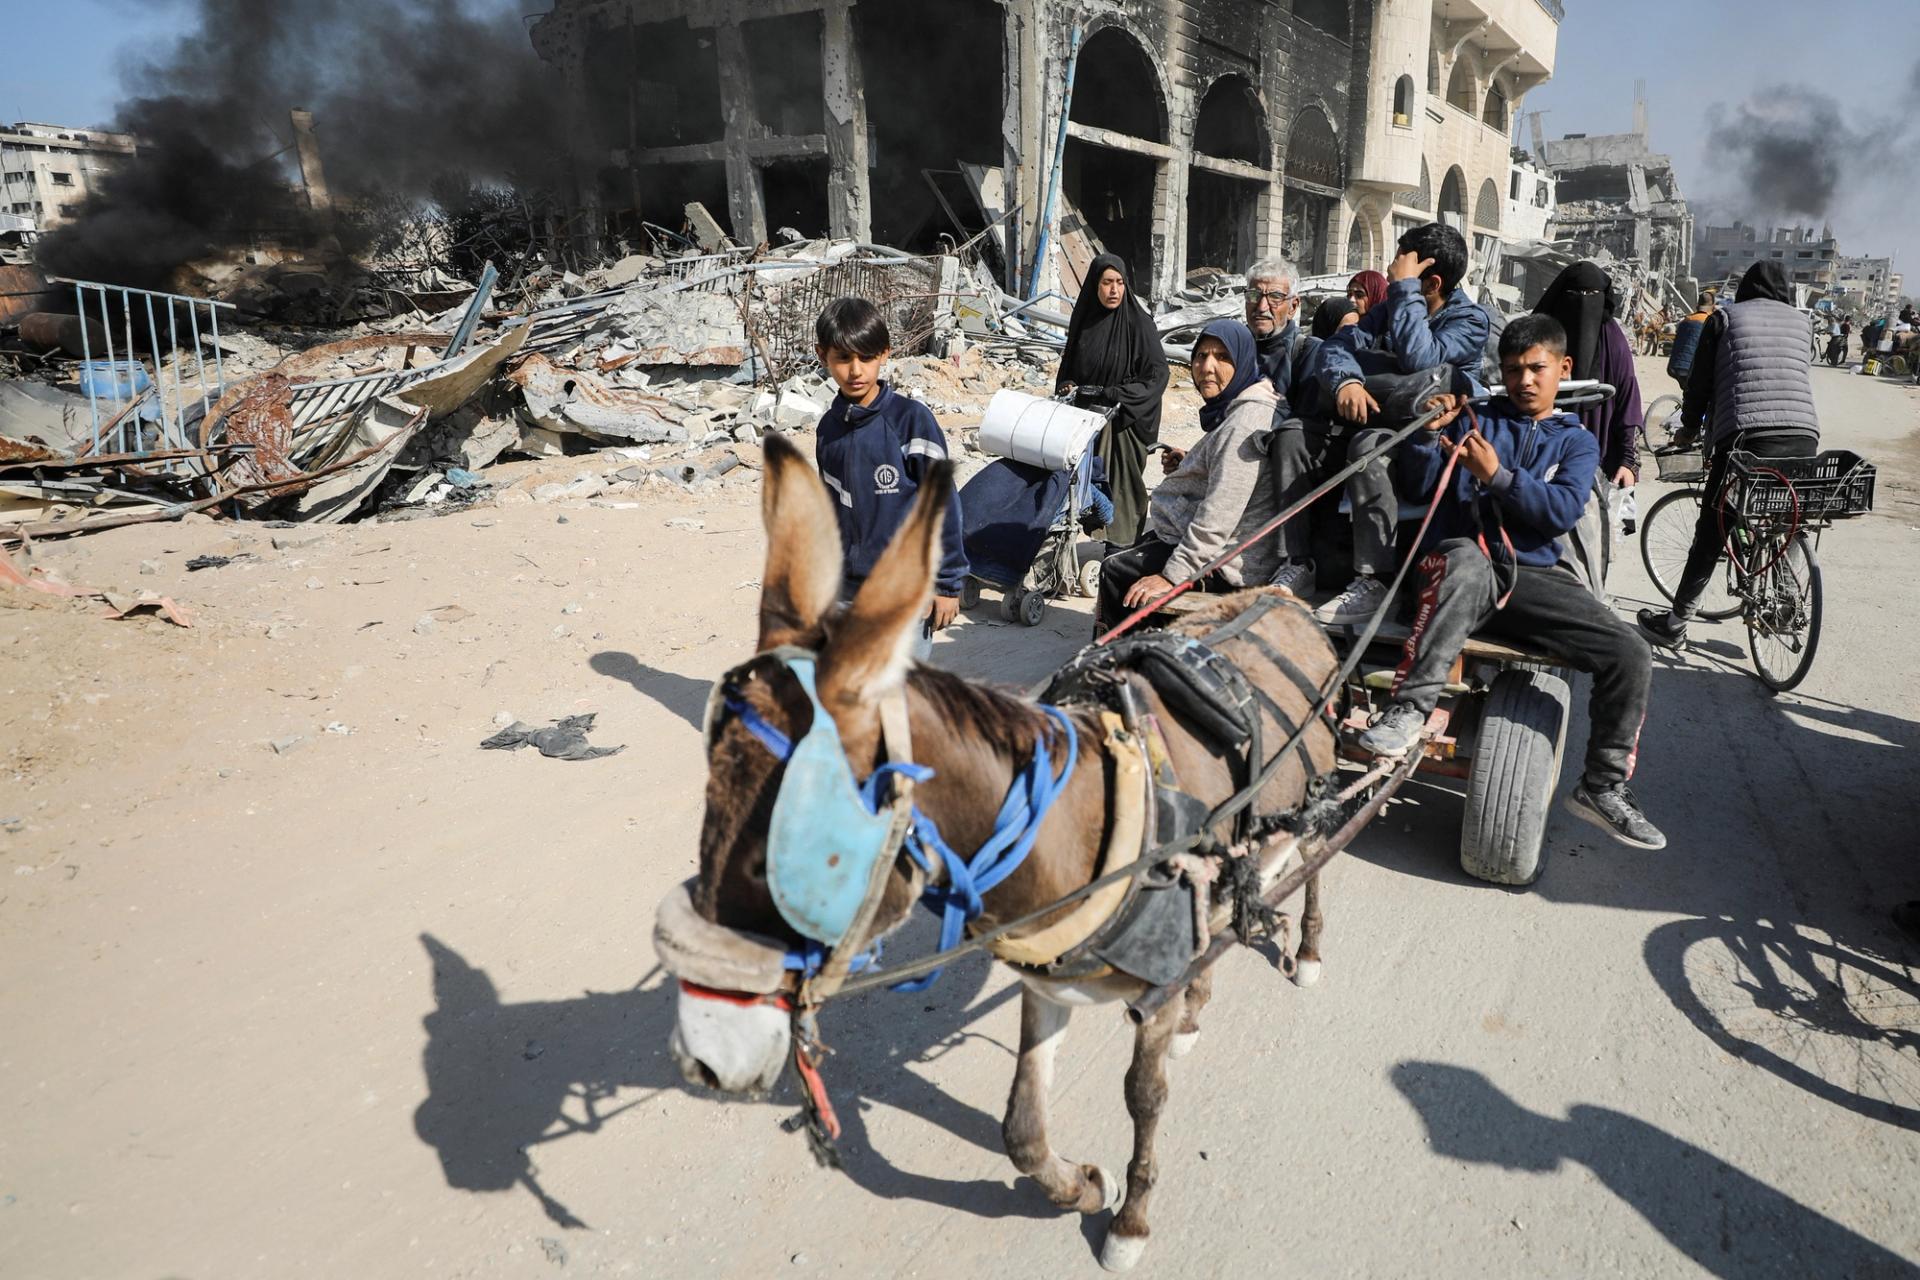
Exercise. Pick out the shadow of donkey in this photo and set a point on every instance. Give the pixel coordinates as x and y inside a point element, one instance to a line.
<point>505,1078</point>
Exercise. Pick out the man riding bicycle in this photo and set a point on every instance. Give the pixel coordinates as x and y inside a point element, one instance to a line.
<point>1751,391</point>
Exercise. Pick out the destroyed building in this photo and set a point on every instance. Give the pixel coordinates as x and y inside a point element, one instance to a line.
<point>1204,133</point>
<point>1617,195</point>
<point>46,170</point>
<point>1808,258</point>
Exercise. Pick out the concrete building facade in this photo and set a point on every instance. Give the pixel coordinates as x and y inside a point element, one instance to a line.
<point>1808,259</point>
<point>46,170</point>
<point>1614,192</point>
<point>1200,133</point>
<point>1531,200</point>
<point>1872,281</point>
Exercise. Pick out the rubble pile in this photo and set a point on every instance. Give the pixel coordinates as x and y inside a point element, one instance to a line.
<point>647,374</point>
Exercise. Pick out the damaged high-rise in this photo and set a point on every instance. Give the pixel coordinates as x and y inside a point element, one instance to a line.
<point>1199,133</point>
<point>1616,195</point>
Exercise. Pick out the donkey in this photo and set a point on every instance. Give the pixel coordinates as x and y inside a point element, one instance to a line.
<point>975,740</point>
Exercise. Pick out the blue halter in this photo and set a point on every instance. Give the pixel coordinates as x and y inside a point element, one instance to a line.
<point>820,916</point>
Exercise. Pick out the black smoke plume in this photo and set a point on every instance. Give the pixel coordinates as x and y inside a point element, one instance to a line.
<point>407,96</point>
<point>1791,150</point>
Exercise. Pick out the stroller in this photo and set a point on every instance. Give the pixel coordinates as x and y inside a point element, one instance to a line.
<point>1026,516</point>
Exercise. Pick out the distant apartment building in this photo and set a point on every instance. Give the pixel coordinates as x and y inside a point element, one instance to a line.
<point>1872,280</point>
<point>1808,259</point>
<point>46,170</point>
<point>1530,199</point>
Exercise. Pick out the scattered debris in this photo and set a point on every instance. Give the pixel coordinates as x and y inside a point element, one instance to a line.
<point>198,563</point>
<point>563,740</point>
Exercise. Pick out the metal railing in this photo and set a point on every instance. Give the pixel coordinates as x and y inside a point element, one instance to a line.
<point>125,396</point>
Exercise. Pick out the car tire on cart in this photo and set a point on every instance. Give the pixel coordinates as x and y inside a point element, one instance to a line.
<point>1515,771</point>
<point>1033,607</point>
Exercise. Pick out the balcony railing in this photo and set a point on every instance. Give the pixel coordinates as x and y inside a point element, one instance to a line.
<point>1555,9</point>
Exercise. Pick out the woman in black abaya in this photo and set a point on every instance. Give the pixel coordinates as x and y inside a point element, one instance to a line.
<point>1114,360</point>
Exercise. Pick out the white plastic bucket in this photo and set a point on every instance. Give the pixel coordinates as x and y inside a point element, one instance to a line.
<point>1040,433</point>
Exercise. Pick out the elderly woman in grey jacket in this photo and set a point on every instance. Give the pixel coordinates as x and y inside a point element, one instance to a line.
<point>1215,494</point>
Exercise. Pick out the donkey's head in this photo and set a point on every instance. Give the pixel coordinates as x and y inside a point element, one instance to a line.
<point>726,935</point>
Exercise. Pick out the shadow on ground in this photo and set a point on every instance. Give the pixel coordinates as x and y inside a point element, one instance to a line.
<point>684,696</point>
<point>1728,1222</point>
<point>505,1078</point>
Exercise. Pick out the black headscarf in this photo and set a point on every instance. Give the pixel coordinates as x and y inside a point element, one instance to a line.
<point>1327,318</point>
<point>1765,279</point>
<point>1117,351</point>
<point>1581,298</point>
<point>1238,340</point>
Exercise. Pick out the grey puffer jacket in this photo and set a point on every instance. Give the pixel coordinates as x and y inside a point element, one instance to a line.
<point>1761,384</point>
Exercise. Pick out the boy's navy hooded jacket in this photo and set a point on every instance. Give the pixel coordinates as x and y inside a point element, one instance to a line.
<point>1398,336</point>
<point>1545,478</point>
<point>874,459</point>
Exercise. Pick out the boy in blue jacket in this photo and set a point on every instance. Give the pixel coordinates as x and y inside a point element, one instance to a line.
<point>874,449</point>
<point>1493,565</point>
<point>1426,320</point>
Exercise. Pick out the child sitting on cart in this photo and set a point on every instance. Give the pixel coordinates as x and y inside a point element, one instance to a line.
<point>1494,565</point>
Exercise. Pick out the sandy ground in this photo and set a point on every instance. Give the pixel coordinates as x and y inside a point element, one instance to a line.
<point>383,1004</point>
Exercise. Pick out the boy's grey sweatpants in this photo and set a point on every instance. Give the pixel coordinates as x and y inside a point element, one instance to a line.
<point>1550,609</point>
<point>1302,453</point>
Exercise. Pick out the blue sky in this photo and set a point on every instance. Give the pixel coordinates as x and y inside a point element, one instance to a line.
<point>64,59</point>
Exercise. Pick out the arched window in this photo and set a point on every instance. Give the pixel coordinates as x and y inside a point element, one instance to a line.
<point>1328,15</point>
<point>1421,199</point>
<point>1403,100</point>
<point>1486,209</point>
<point>1453,195</point>
<point>1495,116</point>
<point>1433,71</point>
<point>1460,86</point>
<point>1231,124</point>
<point>1359,244</point>
<point>1313,152</point>
<point>1115,87</point>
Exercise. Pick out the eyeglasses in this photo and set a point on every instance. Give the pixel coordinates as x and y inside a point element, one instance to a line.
<point>1276,300</point>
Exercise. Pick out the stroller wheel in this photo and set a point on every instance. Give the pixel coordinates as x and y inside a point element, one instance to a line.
<point>1010,603</point>
<point>1090,579</point>
<point>970,595</point>
<point>1033,607</point>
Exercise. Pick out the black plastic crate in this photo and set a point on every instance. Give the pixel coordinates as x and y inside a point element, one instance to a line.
<point>1828,486</point>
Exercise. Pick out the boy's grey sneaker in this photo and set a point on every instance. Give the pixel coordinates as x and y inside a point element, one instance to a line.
<point>1359,602</point>
<point>1660,627</point>
<point>1397,729</point>
<point>1614,810</point>
<point>1295,577</point>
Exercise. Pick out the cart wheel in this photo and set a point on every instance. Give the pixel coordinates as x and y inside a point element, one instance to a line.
<point>1090,579</point>
<point>1516,768</point>
<point>1010,604</point>
<point>970,595</point>
<point>1032,607</point>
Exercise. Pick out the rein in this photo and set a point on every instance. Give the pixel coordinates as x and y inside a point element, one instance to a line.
<point>1203,838</point>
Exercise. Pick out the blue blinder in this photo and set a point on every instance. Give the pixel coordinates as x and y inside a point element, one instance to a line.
<point>828,831</point>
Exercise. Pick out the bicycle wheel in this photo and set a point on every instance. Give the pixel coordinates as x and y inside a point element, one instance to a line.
<point>1783,616</point>
<point>1666,535</point>
<point>1662,416</point>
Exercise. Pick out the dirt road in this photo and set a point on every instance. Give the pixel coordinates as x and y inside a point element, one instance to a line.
<point>380,1003</point>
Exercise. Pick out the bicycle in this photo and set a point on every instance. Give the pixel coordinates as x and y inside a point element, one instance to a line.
<point>1772,513</point>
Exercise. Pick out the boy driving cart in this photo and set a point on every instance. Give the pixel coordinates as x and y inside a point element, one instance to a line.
<point>1494,564</point>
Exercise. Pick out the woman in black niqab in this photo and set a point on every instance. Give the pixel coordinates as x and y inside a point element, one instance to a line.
<point>1114,360</point>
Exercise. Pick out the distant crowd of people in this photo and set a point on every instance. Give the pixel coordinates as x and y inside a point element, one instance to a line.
<point>1284,407</point>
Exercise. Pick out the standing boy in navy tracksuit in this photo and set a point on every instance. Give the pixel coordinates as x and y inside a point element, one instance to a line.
<point>873,451</point>
<point>1494,564</point>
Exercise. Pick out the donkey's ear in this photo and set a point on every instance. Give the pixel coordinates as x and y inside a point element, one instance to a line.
<point>868,653</point>
<point>802,577</point>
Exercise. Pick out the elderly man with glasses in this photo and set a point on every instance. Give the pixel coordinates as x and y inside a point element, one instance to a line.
<point>1272,314</point>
